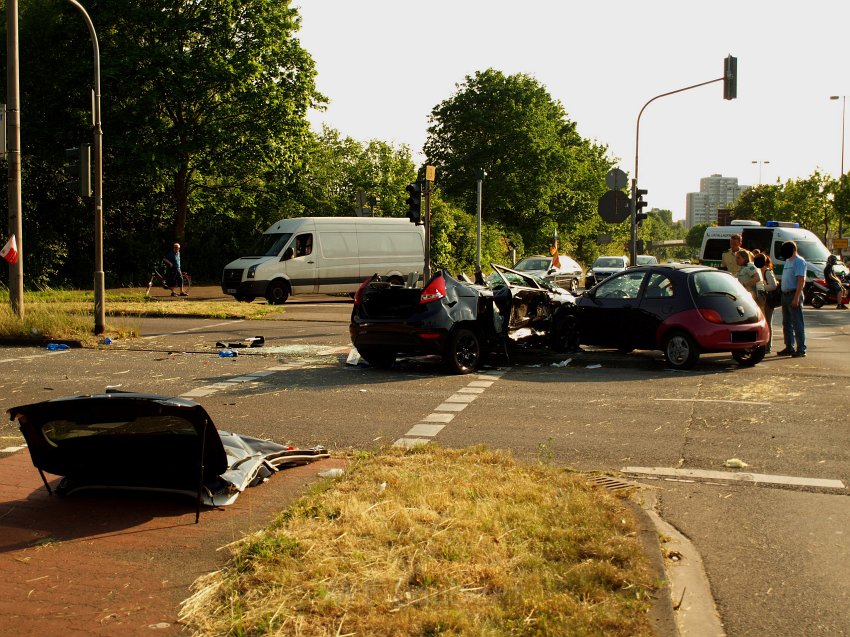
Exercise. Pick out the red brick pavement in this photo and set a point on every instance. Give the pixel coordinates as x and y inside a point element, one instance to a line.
<point>115,563</point>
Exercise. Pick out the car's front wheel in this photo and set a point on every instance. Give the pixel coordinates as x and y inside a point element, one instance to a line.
<point>573,286</point>
<point>464,353</point>
<point>749,357</point>
<point>680,350</point>
<point>277,293</point>
<point>566,337</point>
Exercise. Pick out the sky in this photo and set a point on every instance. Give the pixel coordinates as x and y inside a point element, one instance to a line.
<point>385,65</point>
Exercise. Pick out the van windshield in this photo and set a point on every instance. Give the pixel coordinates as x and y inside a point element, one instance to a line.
<point>812,250</point>
<point>270,244</point>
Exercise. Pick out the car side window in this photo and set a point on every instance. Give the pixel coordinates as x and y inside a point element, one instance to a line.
<point>625,286</point>
<point>659,287</point>
<point>303,245</point>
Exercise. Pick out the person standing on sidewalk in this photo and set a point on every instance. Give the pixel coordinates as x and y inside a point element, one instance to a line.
<point>793,280</point>
<point>728,260</point>
<point>765,265</point>
<point>175,272</point>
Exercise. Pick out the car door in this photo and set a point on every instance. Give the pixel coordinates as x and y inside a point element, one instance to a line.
<point>657,303</point>
<point>301,264</point>
<point>606,315</point>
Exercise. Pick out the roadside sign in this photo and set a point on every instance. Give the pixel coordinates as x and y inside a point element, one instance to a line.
<point>616,179</point>
<point>614,206</point>
<point>840,243</point>
<point>430,173</point>
<point>603,238</point>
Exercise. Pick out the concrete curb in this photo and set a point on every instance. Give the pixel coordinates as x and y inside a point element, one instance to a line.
<point>693,603</point>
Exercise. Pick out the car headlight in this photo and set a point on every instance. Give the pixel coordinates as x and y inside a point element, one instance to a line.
<point>252,270</point>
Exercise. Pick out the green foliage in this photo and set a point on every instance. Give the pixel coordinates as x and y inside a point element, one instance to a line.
<point>540,172</point>
<point>695,235</point>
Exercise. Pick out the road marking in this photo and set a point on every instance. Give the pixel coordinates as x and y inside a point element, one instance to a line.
<point>229,383</point>
<point>711,400</point>
<point>194,329</point>
<point>13,449</point>
<point>28,356</point>
<point>445,412</point>
<point>758,478</point>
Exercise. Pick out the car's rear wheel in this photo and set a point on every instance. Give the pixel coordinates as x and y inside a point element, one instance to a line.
<point>464,353</point>
<point>680,350</point>
<point>378,356</point>
<point>749,357</point>
<point>277,293</point>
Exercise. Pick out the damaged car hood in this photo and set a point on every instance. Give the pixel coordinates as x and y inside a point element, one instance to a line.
<point>148,442</point>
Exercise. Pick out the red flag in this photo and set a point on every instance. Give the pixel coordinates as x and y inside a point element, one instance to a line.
<point>553,250</point>
<point>10,251</point>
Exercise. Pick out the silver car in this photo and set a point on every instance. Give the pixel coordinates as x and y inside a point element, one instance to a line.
<point>604,267</point>
<point>567,276</point>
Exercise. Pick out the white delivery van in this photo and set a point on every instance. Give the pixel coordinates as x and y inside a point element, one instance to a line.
<point>769,239</point>
<point>325,254</point>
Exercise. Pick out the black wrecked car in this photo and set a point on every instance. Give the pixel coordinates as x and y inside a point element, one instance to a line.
<point>457,319</point>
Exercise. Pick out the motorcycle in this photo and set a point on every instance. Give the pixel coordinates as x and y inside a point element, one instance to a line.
<point>822,294</point>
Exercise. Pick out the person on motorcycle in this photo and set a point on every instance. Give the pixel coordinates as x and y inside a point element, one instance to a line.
<point>834,282</point>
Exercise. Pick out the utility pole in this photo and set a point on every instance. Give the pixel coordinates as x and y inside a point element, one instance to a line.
<point>13,139</point>
<point>430,173</point>
<point>481,175</point>
<point>99,291</point>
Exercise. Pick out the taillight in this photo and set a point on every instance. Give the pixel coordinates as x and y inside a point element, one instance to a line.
<point>712,316</point>
<point>435,291</point>
<point>358,296</point>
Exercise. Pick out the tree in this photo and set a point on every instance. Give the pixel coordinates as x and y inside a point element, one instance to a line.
<point>539,169</point>
<point>695,235</point>
<point>216,93</point>
<point>337,168</point>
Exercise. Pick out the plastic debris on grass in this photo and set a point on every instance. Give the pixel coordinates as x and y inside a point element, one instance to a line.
<point>735,463</point>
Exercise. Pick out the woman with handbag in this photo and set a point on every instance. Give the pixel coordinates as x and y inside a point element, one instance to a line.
<point>773,296</point>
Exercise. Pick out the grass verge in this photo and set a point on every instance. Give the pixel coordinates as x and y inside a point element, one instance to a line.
<point>69,314</point>
<point>436,541</point>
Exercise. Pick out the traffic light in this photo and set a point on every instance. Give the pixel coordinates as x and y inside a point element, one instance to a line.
<point>639,203</point>
<point>414,203</point>
<point>730,78</point>
<point>79,168</point>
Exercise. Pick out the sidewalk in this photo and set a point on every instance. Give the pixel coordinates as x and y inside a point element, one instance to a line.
<point>116,564</point>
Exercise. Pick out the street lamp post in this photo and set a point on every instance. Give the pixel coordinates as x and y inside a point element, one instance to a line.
<point>760,162</point>
<point>843,109</point>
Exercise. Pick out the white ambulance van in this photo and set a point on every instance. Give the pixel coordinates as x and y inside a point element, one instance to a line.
<point>769,239</point>
<point>325,254</point>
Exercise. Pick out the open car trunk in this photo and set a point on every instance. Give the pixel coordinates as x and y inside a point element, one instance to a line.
<point>143,441</point>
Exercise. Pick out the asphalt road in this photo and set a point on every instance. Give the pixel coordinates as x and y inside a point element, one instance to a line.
<point>777,555</point>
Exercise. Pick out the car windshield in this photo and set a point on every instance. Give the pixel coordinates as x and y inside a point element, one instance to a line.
<point>644,259</point>
<point>812,250</point>
<point>495,280</point>
<point>270,244</point>
<point>533,263</point>
<point>609,262</point>
<point>718,284</point>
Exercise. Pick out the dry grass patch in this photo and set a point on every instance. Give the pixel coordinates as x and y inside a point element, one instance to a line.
<point>69,314</point>
<point>436,542</point>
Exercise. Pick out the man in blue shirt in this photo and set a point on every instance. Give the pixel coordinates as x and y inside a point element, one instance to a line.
<point>793,280</point>
<point>175,274</point>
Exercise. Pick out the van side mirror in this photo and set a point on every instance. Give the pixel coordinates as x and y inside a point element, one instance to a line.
<point>287,254</point>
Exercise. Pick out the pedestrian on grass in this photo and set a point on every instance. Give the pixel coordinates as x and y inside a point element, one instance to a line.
<point>175,272</point>
<point>793,280</point>
<point>765,265</point>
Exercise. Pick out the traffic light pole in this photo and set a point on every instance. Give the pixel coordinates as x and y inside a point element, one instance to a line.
<point>99,291</point>
<point>633,203</point>
<point>426,272</point>
<point>13,139</point>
